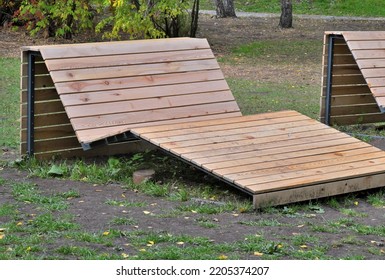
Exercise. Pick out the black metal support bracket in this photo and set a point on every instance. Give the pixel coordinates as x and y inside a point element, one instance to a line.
<point>329,77</point>
<point>119,138</point>
<point>31,103</point>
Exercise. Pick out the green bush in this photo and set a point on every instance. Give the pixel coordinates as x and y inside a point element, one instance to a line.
<point>60,18</point>
<point>8,8</point>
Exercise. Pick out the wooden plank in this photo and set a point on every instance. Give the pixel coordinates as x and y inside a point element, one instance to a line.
<point>256,124</point>
<point>339,100</point>
<point>371,63</point>
<point>366,45</point>
<point>252,176</point>
<point>156,115</point>
<point>344,69</point>
<point>357,119</point>
<point>350,89</point>
<point>240,119</point>
<point>315,191</point>
<point>108,150</point>
<point>217,162</point>
<point>369,54</point>
<point>40,68</point>
<point>128,59</point>
<point>43,94</point>
<point>376,82</point>
<point>91,135</point>
<point>142,81</point>
<point>49,119</point>
<point>349,79</point>
<point>50,132</point>
<point>373,73</point>
<point>322,174</point>
<point>133,70</point>
<point>41,81</point>
<point>121,47</point>
<point>148,104</point>
<point>287,134</point>
<point>354,109</point>
<point>370,167</point>
<point>363,35</point>
<point>219,148</point>
<point>45,107</point>
<point>141,93</point>
<point>335,155</point>
<point>56,144</point>
<point>343,59</point>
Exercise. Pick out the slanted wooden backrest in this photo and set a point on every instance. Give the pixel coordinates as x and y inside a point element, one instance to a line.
<point>108,88</point>
<point>357,71</point>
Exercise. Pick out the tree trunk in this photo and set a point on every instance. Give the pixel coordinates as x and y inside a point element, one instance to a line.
<point>286,20</point>
<point>194,18</point>
<point>225,8</point>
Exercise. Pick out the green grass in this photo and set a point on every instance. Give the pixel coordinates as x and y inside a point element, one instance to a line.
<point>9,101</point>
<point>369,8</point>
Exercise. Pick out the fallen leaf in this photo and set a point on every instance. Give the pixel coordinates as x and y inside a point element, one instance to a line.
<point>106,233</point>
<point>258,254</point>
<point>2,236</point>
<point>124,255</point>
<point>136,226</point>
<point>303,246</point>
<point>146,212</point>
<point>300,226</point>
<point>150,243</point>
<point>279,246</point>
<point>180,243</point>
<point>98,190</point>
<point>356,203</point>
<point>124,211</point>
<point>154,204</point>
<point>123,195</point>
<point>193,211</point>
<point>382,251</point>
<point>28,249</point>
<point>186,218</point>
<point>223,257</point>
<point>80,201</point>
<point>19,224</point>
<point>2,229</point>
<point>142,250</point>
<point>235,215</point>
<point>9,249</point>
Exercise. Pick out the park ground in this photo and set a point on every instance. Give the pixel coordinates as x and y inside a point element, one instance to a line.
<point>184,214</point>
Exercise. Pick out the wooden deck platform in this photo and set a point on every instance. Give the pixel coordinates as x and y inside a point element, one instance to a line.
<point>277,157</point>
<point>171,93</point>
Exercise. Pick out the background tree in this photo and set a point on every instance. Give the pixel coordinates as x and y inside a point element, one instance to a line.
<point>225,8</point>
<point>286,19</point>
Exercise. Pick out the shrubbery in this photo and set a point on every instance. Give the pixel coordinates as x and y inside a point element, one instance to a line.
<point>137,18</point>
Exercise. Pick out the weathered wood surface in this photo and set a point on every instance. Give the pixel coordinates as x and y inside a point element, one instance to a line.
<point>269,152</point>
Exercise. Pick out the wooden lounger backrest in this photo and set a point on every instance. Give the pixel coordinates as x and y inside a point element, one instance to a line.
<point>108,88</point>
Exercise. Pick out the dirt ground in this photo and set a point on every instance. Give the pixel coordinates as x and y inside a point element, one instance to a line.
<point>93,214</point>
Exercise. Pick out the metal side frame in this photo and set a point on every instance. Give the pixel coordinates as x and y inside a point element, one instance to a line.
<point>329,77</point>
<point>31,102</point>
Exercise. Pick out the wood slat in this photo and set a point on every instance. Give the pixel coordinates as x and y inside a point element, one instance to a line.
<point>335,154</point>
<point>156,115</point>
<point>217,127</point>
<point>316,191</point>
<point>363,35</point>
<point>369,54</point>
<point>91,135</point>
<point>369,168</point>
<point>354,109</point>
<point>148,104</point>
<point>121,47</point>
<point>141,81</point>
<point>127,59</point>
<point>303,167</point>
<point>366,45</point>
<point>141,93</point>
<point>133,70</point>
<point>286,134</point>
<point>206,123</point>
<point>371,63</point>
<point>218,162</point>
